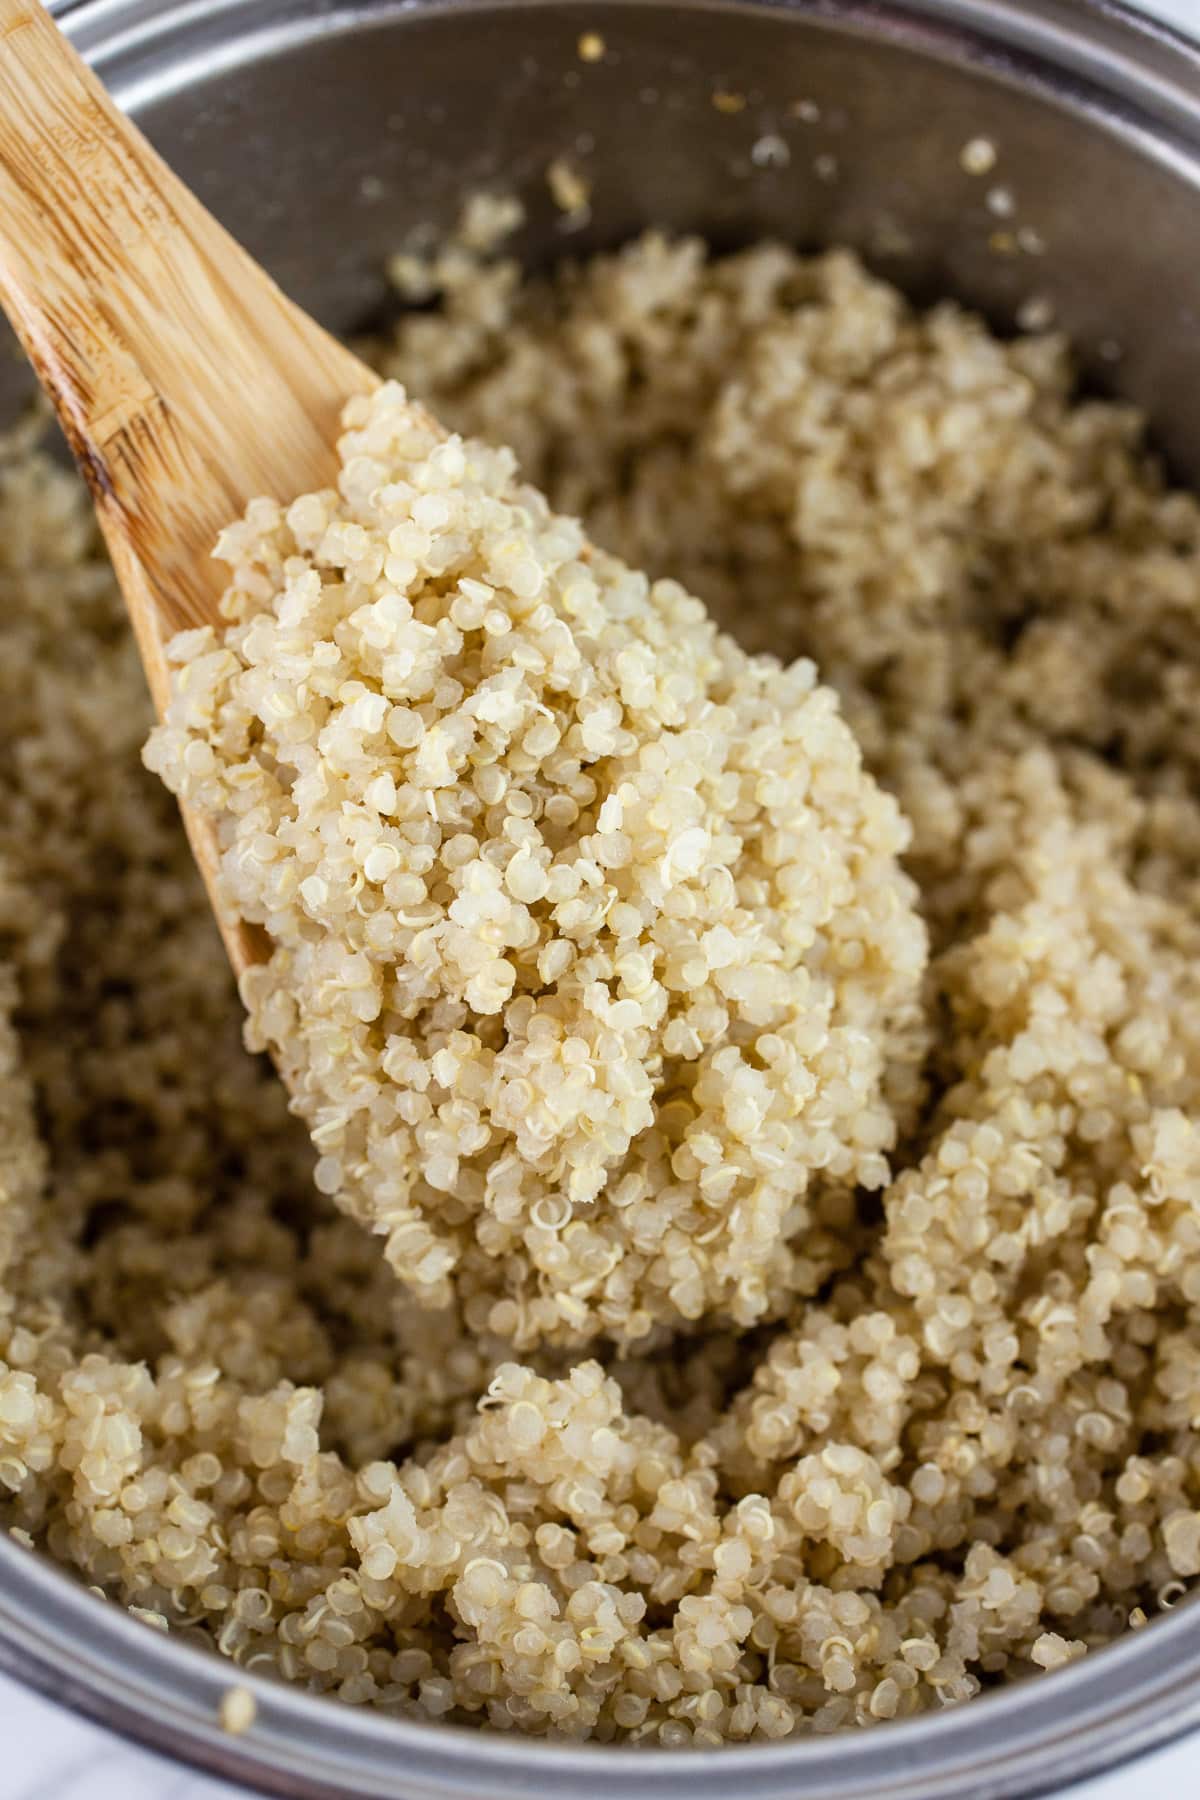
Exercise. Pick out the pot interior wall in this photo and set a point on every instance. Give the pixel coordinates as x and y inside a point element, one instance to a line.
<point>326,142</point>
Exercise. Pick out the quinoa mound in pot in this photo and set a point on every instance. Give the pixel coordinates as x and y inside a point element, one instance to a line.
<point>859,983</point>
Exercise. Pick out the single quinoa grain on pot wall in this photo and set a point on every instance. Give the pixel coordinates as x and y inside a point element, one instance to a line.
<point>966,1449</point>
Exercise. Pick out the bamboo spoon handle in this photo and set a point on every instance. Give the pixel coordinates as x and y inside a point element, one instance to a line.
<point>187,384</point>
<point>184,379</point>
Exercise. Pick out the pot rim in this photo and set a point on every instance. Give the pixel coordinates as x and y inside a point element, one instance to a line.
<point>1142,79</point>
<point>89,1654</point>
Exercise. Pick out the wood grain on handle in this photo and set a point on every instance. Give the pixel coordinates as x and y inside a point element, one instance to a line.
<point>187,384</point>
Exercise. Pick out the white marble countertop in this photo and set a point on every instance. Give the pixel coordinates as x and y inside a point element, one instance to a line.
<point>50,1754</point>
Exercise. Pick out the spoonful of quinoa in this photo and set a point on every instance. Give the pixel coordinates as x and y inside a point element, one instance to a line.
<point>591,962</point>
<point>578,935</point>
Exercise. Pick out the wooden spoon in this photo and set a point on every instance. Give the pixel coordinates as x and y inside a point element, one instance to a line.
<point>186,382</point>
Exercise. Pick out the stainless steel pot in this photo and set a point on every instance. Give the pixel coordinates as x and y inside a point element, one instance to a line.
<point>323,132</point>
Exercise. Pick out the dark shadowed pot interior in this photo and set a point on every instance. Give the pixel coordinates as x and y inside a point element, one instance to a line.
<point>324,135</point>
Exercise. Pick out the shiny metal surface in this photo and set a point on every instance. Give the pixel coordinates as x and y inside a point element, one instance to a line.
<point>324,133</point>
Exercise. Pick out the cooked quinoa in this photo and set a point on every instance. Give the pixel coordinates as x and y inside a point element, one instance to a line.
<point>591,952</point>
<point>959,1442</point>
